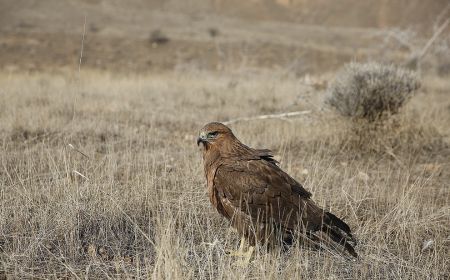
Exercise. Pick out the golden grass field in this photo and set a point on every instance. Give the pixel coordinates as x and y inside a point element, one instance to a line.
<point>142,210</point>
<point>101,177</point>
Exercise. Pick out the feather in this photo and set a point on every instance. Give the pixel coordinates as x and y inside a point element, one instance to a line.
<point>261,201</point>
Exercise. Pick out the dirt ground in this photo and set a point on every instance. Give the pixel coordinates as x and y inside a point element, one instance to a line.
<point>152,36</point>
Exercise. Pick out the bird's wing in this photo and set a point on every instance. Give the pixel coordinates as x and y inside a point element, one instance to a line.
<point>265,192</point>
<point>259,191</point>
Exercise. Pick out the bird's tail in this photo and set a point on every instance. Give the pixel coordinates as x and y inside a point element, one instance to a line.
<point>339,232</point>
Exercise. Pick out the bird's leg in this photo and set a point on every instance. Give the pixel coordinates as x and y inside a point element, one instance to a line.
<point>248,256</point>
<point>241,253</point>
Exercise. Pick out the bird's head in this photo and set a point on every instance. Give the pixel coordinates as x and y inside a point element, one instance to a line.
<point>213,135</point>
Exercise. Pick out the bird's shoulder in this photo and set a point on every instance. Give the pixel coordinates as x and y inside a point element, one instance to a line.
<point>258,175</point>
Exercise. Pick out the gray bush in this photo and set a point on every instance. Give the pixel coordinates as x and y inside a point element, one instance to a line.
<point>370,90</point>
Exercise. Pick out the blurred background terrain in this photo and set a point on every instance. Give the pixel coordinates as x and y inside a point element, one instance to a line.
<point>147,36</point>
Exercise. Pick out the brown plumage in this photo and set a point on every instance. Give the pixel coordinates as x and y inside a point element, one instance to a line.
<point>263,202</point>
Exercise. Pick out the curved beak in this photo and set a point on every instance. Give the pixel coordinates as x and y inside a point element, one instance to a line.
<point>201,138</point>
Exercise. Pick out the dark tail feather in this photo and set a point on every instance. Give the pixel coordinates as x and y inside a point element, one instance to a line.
<point>335,221</point>
<point>339,232</point>
<point>341,240</point>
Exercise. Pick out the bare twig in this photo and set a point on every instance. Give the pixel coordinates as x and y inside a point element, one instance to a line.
<point>74,100</point>
<point>403,37</point>
<point>414,61</point>
<point>82,44</point>
<point>76,150</point>
<point>441,16</point>
<point>79,174</point>
<point>430,42</point>
<point>271,116</point>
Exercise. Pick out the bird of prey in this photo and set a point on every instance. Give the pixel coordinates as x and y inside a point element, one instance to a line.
<point>264,204</point>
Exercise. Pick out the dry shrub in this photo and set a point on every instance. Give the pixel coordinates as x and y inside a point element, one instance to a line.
<point>371,90</point>
<point>158,37</point>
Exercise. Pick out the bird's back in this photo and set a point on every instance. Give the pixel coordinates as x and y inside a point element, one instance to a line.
<point>248,187</point>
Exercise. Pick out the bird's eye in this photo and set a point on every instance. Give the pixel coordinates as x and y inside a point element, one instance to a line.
<point>213,134</point>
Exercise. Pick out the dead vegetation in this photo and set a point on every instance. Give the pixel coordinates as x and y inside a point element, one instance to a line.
<point>100,176</point>
<point>371,90</point>
<point>157,37</point>
<point>135,204</point>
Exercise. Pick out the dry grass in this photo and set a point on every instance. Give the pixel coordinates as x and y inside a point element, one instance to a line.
<point>143,211</point>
